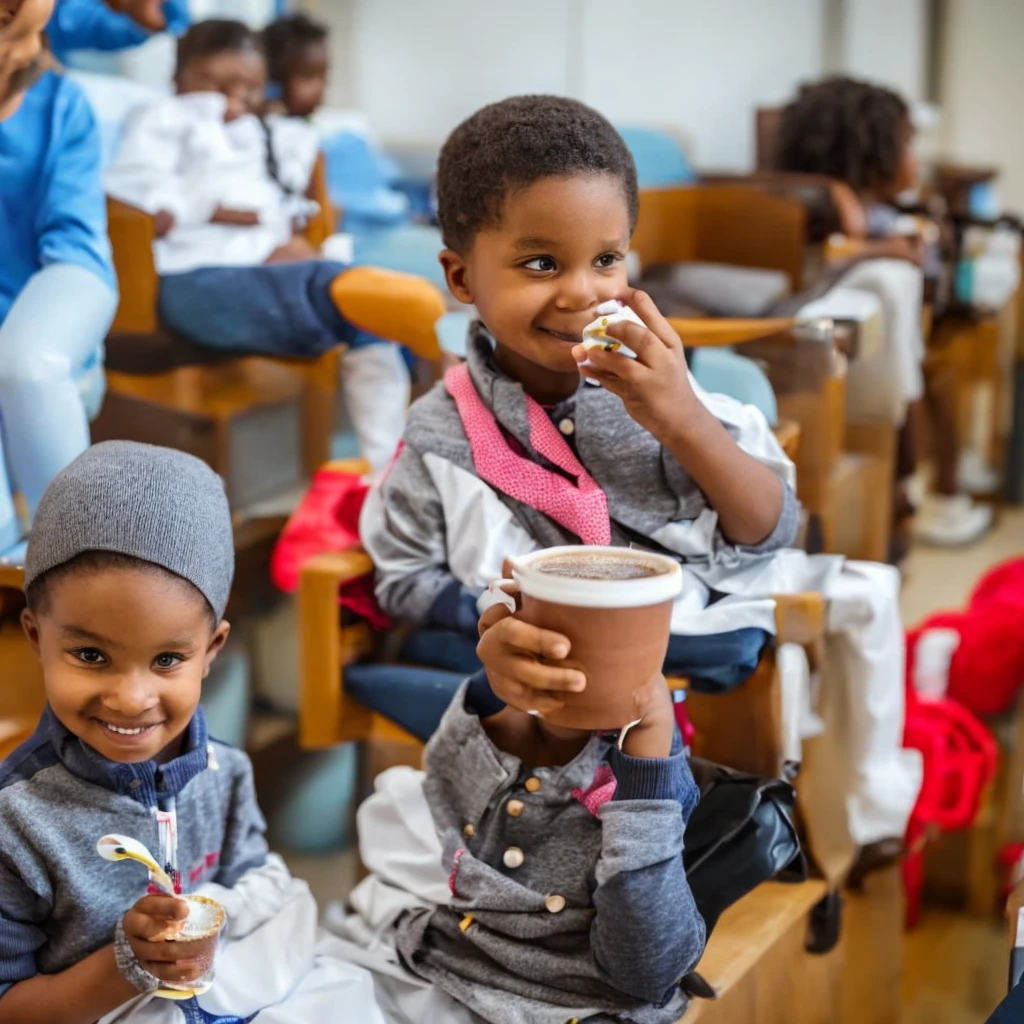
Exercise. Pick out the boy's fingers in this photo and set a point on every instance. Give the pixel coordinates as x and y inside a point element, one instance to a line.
<point>143,926</point>
<point>181,970</point>
<point>162,905</point>
<point>643,305</point>
<point>526,699</point>
<point>540,677</point>
<point>532,640</point>
<point>492,617</point>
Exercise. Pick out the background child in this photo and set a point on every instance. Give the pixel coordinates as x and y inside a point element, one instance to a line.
<point>235,274</point>
<point>57,289</point>
<point>537,201</point>
<point>862,134</point>
<point>128,573</point>
<point>297,64</point>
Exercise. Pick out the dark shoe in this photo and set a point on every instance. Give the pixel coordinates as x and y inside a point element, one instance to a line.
<point>825,925</point>
<point>874,857</point>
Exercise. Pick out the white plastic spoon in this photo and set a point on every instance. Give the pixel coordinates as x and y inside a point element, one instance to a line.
<point>114,847</point>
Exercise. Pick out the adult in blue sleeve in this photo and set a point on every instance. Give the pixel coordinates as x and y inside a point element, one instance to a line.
<point>112,24</point>
<point>57,286</point>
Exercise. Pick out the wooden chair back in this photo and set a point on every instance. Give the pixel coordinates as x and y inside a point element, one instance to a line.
<point>721,224</point>
<point>21,697</point>
<point>766,134</point>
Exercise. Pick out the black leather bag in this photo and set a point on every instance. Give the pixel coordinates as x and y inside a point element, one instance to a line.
<point>740,834</point>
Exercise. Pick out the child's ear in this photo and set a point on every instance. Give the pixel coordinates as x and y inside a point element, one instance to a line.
<point>456,275</point>
<point>220,635</point>
<point>30,624</point>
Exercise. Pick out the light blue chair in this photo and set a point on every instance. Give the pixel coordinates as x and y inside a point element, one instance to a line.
<point>723,372</point>
<point>660,160</point>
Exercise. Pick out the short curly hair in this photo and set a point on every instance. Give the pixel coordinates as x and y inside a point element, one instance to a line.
<point>285,39</point>
<point>511,145</point>
<point>845,128</point>
<point>211,37</point>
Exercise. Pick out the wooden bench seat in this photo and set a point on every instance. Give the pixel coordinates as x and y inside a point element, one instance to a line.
<point>756,962</point>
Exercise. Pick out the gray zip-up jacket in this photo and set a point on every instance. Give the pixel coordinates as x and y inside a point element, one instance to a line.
<point>569,897</point>
<point>438,533</point>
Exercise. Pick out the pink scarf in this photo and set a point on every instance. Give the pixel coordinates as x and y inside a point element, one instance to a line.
<point>580,507</point>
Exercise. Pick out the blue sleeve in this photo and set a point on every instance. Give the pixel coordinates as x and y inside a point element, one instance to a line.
<point>22,915</point>
<point>647,932</point>
<point>245,844</point>
<point>71,224</point>
<point>91,25</point>
<point>455,608</point>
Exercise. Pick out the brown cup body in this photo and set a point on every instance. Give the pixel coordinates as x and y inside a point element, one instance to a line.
<point>203,948</point>
<point>621,651</point>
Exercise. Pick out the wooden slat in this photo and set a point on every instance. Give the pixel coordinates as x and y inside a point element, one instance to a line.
<point>756,953</point>
<point>326,717</point>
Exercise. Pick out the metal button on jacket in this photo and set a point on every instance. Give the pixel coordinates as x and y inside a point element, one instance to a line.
<point>513,857</point>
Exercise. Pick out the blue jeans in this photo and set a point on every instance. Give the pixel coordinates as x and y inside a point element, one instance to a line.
<point>416,697</point>
<point>51,381</point>
<point>715,662</point>
<point>284,309</point>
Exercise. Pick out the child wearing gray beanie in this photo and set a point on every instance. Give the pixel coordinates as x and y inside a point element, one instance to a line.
<point>128,571</point>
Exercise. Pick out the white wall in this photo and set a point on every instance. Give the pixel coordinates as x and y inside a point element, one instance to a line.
<point>885,41</point>
<point>417,68</point>
<point>982,85</point>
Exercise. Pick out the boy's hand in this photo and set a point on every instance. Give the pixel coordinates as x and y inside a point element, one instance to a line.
<point>516,657</point>
<point>652,735</point>
<point>151,920</point>
<point>163,223</point>
<point>238,218</point>
<point>654,387</point>
<point>296,250</point>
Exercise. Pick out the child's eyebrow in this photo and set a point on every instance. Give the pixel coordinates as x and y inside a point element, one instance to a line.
<point>79,633</point>
<point>532,242</point>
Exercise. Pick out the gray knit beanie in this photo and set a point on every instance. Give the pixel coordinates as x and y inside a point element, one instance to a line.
<point>155,504</point>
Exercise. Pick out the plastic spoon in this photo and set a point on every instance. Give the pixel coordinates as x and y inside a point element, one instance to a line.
<point>114,848</point>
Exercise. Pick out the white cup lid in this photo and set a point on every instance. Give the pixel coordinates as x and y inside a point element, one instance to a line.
<point>578,592</point>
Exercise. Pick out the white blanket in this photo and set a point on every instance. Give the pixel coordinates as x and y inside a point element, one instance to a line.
<point>179,155</point>
<point>275,962</point>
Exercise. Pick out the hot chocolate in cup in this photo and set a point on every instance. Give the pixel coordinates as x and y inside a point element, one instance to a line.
<point>615,607</point>
<point>201,931</point>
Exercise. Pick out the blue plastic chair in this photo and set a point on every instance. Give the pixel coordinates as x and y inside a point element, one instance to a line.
<point>723,372</point>
<point>660,160</point>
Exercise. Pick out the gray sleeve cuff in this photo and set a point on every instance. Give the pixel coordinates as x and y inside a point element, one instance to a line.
<point>131,970</point>
<point>481,700</point>
<point>786,529</point>
<point>653,778</point>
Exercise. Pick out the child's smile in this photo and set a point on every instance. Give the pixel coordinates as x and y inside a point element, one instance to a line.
<point>537,278</point>
<point>124,653</point>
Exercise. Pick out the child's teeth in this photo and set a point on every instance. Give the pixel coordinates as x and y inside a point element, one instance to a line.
<point>126,732</point>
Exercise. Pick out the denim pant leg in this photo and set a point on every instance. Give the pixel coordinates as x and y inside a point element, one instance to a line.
<point>52,333</point>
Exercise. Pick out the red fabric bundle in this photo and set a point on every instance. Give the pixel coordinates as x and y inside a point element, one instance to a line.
<point>987,669</point>
<point>327,519</point>
<point>960,758</point>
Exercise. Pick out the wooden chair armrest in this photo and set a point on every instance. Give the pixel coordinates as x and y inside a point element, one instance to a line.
<point>710,333</point>
<point>132,234</point>
<point>787,433</point>
<point>324,224</point>
<point>799,618</point>
<point>325,647</point>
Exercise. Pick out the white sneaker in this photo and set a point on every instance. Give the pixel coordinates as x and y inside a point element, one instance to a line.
<point>951,521</point>
<point>975,476</point>
<point>375,388</point>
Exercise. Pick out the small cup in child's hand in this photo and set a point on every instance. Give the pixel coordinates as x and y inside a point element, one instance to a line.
<point>595,333</point>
